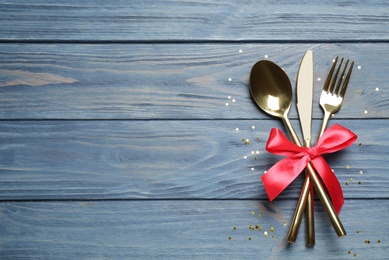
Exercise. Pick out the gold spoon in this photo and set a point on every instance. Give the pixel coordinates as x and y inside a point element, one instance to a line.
<point>271,89</point>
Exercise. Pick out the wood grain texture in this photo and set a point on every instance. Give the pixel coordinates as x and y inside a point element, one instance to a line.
<point>169,159</point>
<point>183,229</point>
<point>172,81</point>
<point>194,20</point>
<point>116,141</point>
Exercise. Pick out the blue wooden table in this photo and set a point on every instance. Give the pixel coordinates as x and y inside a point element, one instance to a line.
<point>123,128</point>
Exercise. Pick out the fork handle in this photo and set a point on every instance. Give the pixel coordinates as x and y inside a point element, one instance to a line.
<point>324,124</point>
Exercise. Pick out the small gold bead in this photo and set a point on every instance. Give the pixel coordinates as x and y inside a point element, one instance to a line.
<point>229,238</point>
<point>346,183</point>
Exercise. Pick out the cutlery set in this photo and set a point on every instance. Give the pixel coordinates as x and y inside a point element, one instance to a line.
<point>271,89</point>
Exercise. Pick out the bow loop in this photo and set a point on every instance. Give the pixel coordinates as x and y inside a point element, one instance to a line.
<point>284,172</point>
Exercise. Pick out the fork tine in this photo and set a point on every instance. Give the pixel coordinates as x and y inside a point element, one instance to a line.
<point>341,79</point>
<point>328,80</point>
<point>333,81</point>
<point>346,80</point>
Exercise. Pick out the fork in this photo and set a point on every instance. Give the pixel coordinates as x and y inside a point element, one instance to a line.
<point>331,97</point>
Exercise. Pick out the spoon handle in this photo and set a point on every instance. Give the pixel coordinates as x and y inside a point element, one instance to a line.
<point>312,177</point>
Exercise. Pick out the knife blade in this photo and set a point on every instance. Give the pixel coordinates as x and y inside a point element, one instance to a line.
<point>304,89</point>
<point>304,85</point>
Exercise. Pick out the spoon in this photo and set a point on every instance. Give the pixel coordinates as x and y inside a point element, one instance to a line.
<point>271,89</point>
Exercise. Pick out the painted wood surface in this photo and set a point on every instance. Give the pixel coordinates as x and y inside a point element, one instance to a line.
<point>172,81</point>
<point>116,141</point>
<point>182,20</point>
<point>184,229</point>
<point>169,160</point>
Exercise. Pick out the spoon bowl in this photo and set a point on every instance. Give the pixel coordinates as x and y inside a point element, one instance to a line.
<point>270,88</point>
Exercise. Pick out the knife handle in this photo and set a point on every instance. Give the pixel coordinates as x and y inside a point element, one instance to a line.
<point>310,219</point>
<point>309,212</point>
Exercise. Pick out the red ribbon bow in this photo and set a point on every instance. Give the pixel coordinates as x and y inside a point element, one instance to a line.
<point>278,177</point>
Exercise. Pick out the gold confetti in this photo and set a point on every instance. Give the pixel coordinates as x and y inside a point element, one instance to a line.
<point>359,91</point>
<point>346,183</point>
<point>265,234</point>
<point>252,212</point>
<point>261,212</point>
<point>234,228</point>
<point>250,238</point>
<point>361,172</point>
<point>251,227</point>
<point>348,167</point>
<point>360,144</point>
<point>257,138</point>
<point>358,231</point>
<point>272,236</point>
<point>359,182</point>
<point>229,238</point>
<point>272,229</point>
<point>284,223</point>
<point>378,241</point>
<point>351,180</point>
<point>255,158</point>
<point>355,255</point>
<point>259,215</point>
<point>349,252</point>
<point>258,227</point>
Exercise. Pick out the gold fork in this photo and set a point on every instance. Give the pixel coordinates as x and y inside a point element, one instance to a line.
<point>331,100</point>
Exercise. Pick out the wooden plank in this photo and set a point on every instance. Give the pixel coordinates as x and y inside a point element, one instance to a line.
<point>169,159</point>
<point>172,81</point>
<point>184,229</point>
<point>193,20</point>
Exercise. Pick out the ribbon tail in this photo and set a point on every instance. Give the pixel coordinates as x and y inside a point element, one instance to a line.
<point>330,181</point>
<point>281,174</point>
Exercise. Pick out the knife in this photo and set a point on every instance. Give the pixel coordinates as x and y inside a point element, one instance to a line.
<point>304,89</point>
